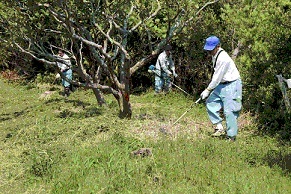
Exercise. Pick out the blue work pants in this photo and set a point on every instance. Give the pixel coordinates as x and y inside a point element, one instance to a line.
<point>228,97</point>
<point>68,74</point>
<point>162,83</point>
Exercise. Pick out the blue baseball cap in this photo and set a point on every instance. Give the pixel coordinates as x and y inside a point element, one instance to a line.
<point>211,43</point>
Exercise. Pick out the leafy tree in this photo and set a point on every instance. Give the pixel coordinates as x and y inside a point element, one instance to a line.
<point>263,28</point>
<point>107,40</point>
<point>5,37</point>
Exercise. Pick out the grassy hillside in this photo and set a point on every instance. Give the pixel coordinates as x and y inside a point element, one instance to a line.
<point>52,145</point>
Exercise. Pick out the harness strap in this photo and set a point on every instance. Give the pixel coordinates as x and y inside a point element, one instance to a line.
<point>215,62</point>
<point>217,58</point>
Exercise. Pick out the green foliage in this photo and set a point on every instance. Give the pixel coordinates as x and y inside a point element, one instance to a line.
<point>263,29</point>
<point>6,13</point>
<point>45,78</point>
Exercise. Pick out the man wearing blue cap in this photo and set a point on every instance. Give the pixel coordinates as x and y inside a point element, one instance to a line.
<point>224,90</point>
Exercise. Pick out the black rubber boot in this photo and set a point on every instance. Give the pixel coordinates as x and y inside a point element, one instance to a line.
<point>232,139</point>
<point>67,91</point>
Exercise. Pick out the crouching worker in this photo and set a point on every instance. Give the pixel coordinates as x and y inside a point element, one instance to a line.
<point>224,90</point>
<point>65,68</point>
<point>162,71</point>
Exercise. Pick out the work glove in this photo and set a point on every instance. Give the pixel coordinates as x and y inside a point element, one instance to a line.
<point>175,74</point>
<point>150,71</point>
<point>58,75</point>
<point>205,94</point>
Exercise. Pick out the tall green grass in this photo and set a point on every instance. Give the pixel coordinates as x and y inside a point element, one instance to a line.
<point>52,145</point>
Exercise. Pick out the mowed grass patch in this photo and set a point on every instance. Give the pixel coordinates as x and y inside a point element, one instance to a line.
<point>52,145</point>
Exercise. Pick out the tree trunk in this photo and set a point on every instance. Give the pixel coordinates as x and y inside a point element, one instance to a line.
<point>125,109</point>
<point>99,96</point>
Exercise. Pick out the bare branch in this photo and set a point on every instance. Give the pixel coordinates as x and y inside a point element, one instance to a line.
<point>105,42</point>
<point>80,53</point>
<point>35,57</point>
<point>142,62</point>
<point>130,11</point>
<point>54,58</point>
<point>236,51</point>
<point>93,44</point>
<point>198,12</point>
<point>114,42</point>
<point>62,19</point>
<point>87,85</point>
<point>112,75</point>
<point>203,7</point>
<point>110,19</point>
<point>148,18</point>
<point>53,31</point>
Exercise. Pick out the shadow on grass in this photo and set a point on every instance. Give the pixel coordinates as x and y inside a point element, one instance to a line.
<point>87,109</point>
<point>139,91</point>
<point>50,101</point>
<point>5,117</point>
<point>282,160</point>
<point>88,112</point>
<point>76,103</point>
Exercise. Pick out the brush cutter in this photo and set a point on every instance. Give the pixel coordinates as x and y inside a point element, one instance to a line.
<point>163,130</point>
<point>180,88</point>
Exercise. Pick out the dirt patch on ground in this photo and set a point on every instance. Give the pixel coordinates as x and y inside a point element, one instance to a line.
<point>245,121</point>
<point>155,129</point>
<point>46,95</point>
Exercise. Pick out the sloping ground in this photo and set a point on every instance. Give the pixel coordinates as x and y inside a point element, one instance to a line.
<point>52,145</point>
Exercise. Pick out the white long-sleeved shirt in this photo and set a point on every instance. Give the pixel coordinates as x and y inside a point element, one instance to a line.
<point>224,71</point>
<point>164,63</point>
<point>66,65</point>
